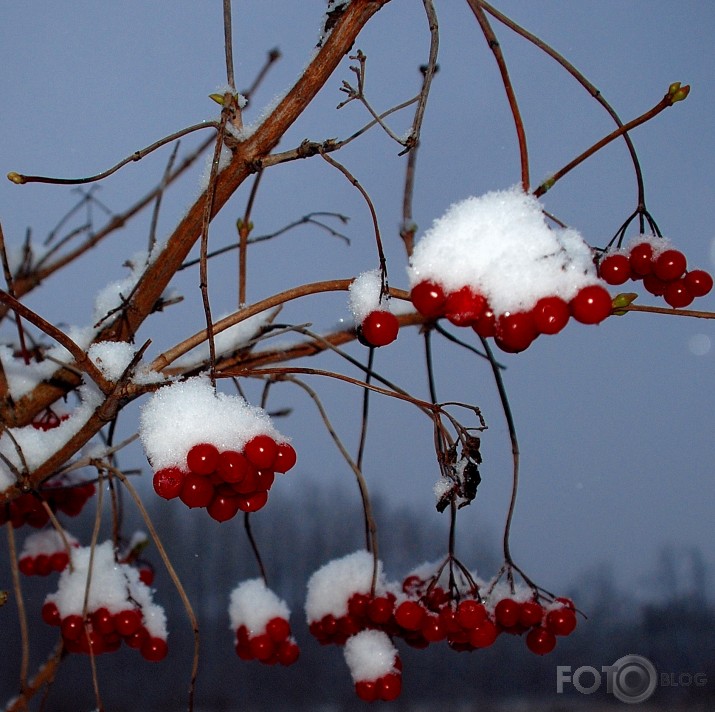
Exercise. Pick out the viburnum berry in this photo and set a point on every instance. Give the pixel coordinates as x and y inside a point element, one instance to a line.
<point>128,621</point>
<point>464,306</point>
<point>168,482</point>
<point>470,613</point>
<point>591,305</point>
<point>202,459</point>
<point>615,269</point>
<point>232,466</point>
<point>429,299</point>
<point>43,566</point>
<point>288,652</point>
<point>550,315</point>
<point>540,640</point>
<point>50,613</point>
<point>515,331</point>
<point>223,506</point>
<point>261,451</point>
<point>484,634</point>
<point>262,647</point>
<point>285,457</point>
<point>507,612</point>
<point>410,615</point>
<point>366,690</point>
<point>278,629</point>
<point>677,294</point>
<point>196,491</point>
<point>669,265</point>
<point>699,282</point>
<point>640,259</point>
<point>252,502</point>
<point>264,480</point>
<point>532,613</point>
<point>380,608</point>
<point>379,328</point>
<point>389,687</point>
<point>561,621</point>
<point>433,629</point>
<point>154,649</point>
<point>102,621</point>
<point>654,285</point>
<point>486,325</point>
<point>72,627</point>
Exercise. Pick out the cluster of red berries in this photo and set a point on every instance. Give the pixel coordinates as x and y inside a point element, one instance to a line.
<point>60,494</point>
<point>512,331</point>
<point>273,645</point>
<point>386,688</point>
<point>382,682</point>
<point>229,481</point>
<point>663,272</point>
<point>44,563</point>
<point>379,328</point>
<point>48,420</point>
<point>103,632</point>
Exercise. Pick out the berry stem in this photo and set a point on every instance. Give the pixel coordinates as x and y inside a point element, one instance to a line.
<point>254,546</point>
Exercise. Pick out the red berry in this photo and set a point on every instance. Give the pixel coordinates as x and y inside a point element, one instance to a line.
<point>136,639</point>
<point>448,617</point>
<point>699,282</point>
<point>51,614</point>
<point>669,265</point>
<point>43,565</point>
<point>470,613</point>
<point>197,491</point>
<point>410,615</point>
<point>486,325</point>
<point>677,294</point>
<point>591,305</point>
<point>59,560</point>
<point>515,331</point>
<point>641,259</point>
<point>262,647</point>
<point>202,459</point>
<point>484,634</point>
<point>540,640</point>
<point>380,328</point>
<point>366,690</point>
<point>168,482</point>
<point>278,629</point>
<point>464,307</point>
<point>146,574</point>
<point>285,457</point>
<point>288,652</point>
<point>532,613</point>
<point>561,621</point>
<point>232,466</point>
<point>252,502</point>
<point>261,451</point>
<point>264,480</point>
<point>550,315</point>
<point>380,608</point>
<point>654,285</point>
<point>102,621</point>
<point>507,612</point>
<point>223,506</point>
<point>27,565</point>
<point>357,605</point>
<point>127,621</point>
<point>615,269</point>
<point>72,627</point>
<point>248,483</point>
<point>389,687</point>
<point>154,649</point>
<point>433,629</point>
<point>429,299</point>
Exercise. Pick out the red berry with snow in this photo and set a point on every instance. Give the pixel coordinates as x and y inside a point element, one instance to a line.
<point>669,265</point>
<point>261,451</point>
<point>168,482</point>
<point>507,612</point>
<point>464,307</point>
<point>640,259</point>
<point>429,299</point>
<point>615,269</point>
<point>202,459</point>
<point>515,331</point>
<point>550,315</point>
<point>380,328</point>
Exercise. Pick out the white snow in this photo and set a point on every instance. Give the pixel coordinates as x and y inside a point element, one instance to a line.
<point>47,541</point>
<point>330,587</point>
<point>186,413</point>
<point>113,586</point>
<point>501,245</point>
<point>370,655</point>
<point>364,295</point>
<point>111,357</point>
<point>229,340</point>
<point>253,604</point>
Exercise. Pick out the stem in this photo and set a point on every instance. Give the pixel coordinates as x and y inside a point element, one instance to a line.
<point>254,546</point>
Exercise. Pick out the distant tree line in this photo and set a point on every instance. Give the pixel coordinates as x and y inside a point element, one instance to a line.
<point>300,532</point>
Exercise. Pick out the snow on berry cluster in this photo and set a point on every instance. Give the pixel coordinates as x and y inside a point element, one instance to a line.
<point>44,552</point>
<point>211,449</point>
<point>376,324</point>
<point>63,493</point>
<point>493,264</point>
<point>342,607</point>
<point>119,607</point>
<point>260,620</point>
<point>661,268</point>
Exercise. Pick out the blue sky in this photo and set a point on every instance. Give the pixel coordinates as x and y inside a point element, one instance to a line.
<point>615,422</point>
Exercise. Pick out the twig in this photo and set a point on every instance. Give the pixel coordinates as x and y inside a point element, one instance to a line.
<point>20,602</point>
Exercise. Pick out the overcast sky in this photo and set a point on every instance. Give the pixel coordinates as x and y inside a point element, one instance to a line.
<point>615,422</point>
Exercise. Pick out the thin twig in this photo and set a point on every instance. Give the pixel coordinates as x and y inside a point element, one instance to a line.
<point>20,602</point>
